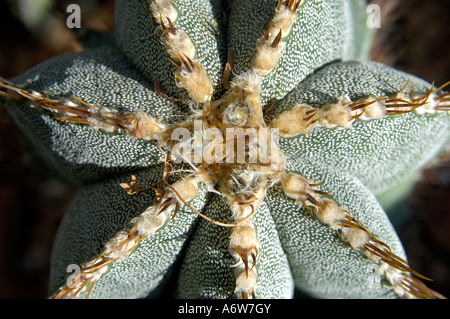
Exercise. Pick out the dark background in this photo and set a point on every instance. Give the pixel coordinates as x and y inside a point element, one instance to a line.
<point>414,37</point>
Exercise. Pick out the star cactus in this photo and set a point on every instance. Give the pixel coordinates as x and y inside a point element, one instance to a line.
<point>231,149</point>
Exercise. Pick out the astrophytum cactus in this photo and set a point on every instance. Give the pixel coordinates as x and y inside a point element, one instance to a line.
<point>230,149</point>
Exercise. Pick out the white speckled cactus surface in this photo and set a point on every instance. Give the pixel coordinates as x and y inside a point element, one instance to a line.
<point>236,149</point>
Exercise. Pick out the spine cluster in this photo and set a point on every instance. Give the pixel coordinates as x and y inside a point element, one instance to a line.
<point>302,119</point>
<point>137,124</point>
<point>270,47</point>
<point>244,248</point>
<point>124,242</point>
<point>245,186</point>
<point>391,267</point>
<point>191,74</point>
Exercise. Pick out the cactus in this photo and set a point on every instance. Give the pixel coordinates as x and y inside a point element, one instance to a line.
<point>230,149</point>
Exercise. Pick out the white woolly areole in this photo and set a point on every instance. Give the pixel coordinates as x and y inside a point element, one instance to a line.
<point>338,114</point>
<point>178,45</point>
<point>356,237</point>
<point>196,81</point>
<point>149,221</point>
<point>243,236</point>
<point>245,281</point>
<point>330,213</point>
<point>429,106</point>
<point>284,19</point>
<point>266,57</point>
<point>292,123</point>
<point>375,110</point>
<point>163,9</point>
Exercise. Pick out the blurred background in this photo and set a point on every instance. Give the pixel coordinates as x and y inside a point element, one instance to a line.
<point>414,37</point>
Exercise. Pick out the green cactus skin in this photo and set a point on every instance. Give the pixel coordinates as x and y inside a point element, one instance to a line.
<point>350,130</point>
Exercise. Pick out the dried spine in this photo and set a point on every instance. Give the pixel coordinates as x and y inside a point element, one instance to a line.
<point>193,78</point>
<point>244,190</point>
<point>191,74</point>
<point>245,186</point>
<point>163,11</point>
<point>302,119</point>
<point>396,270</point>
<point>126,241</point>
<point>177,42</point>
<point>137,124</point>
<point>244,248</point>
<point>270,47</point>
